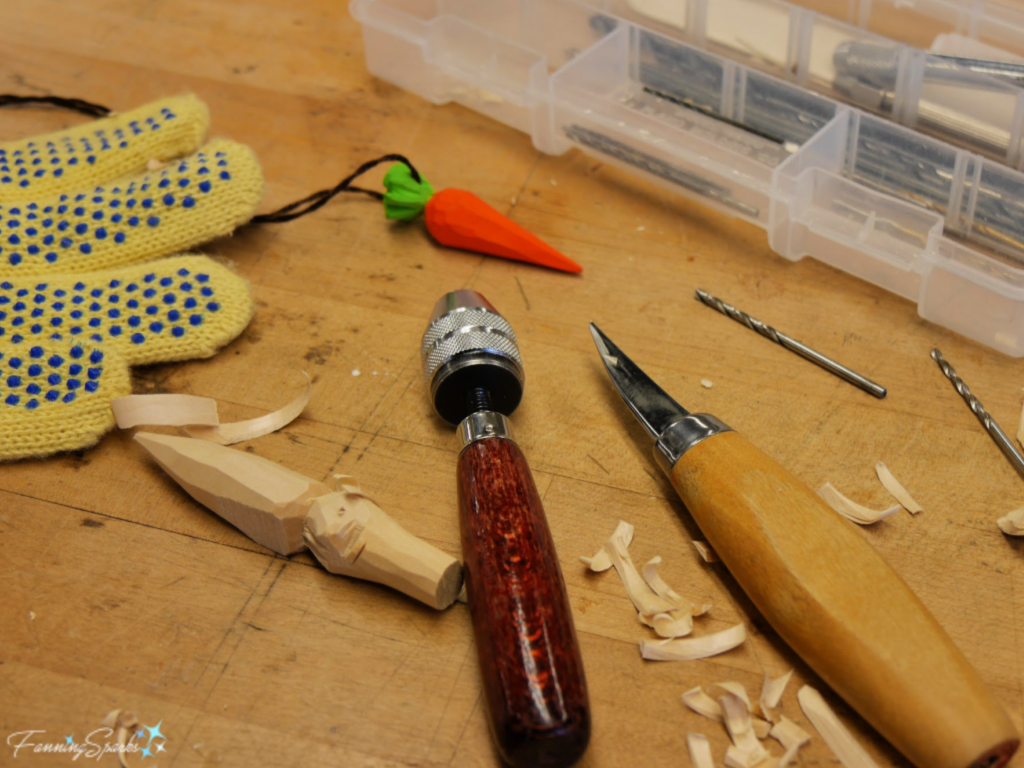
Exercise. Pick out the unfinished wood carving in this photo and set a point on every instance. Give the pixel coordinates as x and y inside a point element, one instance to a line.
<point>265,501</point>
<point>352,536</point>
<point>285,511</point>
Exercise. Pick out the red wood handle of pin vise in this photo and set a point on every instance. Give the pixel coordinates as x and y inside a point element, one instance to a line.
<point>529,658</point>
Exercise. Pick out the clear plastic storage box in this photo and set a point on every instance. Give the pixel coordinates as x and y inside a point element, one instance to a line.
<point>931,222</point>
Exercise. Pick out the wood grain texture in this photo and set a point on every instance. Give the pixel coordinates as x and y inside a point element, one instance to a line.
<point>834,599</point>
<point>145,600</point>
<point>530,661</point>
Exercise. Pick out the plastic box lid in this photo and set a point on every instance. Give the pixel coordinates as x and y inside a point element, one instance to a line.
<point>904,211</point>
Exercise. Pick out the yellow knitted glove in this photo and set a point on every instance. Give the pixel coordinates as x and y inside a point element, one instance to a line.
<point>56,396</point>
<point>139,217</point>
<point>66,344</point>
<point>79,211</point>
<point>173,309</point>
<point>96,152</point>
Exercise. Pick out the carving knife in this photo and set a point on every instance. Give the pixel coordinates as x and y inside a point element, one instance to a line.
<point>821,585</point>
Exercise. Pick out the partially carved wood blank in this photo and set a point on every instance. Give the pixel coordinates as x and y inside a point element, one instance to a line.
<point>265,501</point>
<point>352,536</point>
<point>284,511</point>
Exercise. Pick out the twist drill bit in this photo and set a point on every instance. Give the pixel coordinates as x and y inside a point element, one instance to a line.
<point>792,345</point>
<point>984,416</point>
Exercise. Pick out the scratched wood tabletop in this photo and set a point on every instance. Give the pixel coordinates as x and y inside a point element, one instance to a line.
<point>119,591</point>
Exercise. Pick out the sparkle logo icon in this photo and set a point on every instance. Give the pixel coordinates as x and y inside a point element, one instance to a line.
<point>150,734</point>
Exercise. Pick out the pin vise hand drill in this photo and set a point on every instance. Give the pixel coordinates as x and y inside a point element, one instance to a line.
<point>529,658</point>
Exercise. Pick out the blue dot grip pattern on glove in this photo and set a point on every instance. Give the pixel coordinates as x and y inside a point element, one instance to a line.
<point>55,396</point>
<point>178,308</point>
<point>51,157</point>
<point>143,217</point>
<point>103,150</point>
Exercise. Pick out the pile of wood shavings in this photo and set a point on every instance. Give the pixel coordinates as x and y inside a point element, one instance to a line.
<point>659,606</point>
<point>747,724</point>
<point>671,616</point>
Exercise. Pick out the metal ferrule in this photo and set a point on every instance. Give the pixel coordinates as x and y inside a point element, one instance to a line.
<point>482,425</point>
<point>682,436</point>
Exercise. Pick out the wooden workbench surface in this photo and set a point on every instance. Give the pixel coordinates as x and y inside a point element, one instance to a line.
<point>118,591</point>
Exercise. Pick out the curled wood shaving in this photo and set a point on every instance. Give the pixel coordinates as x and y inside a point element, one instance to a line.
<point>122,722</point>
<point>771,694</point>
<point>678,623</point>
<point>851,510</point>
<point>1013,523</point>
<point>661,589</point>
<point>644,598</point>
<point>702,704</point>
<point>693,648</point>
<point>789,734</point>
<point>706,552</point>
<point>839,739</point>
<point>700,750</point>
<point>717,690</point>
<point>198,415</point>
<point>736,717</point>
<point>600,562</point>
<point>895,487</point>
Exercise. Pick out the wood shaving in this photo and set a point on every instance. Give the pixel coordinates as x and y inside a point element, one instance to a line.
<point>839,739</point>
<point>646,601</point>
<point>1013,523</point>
<point>600,562</point>
<point>789,757</point>
<point>693,648</point>
<point>762,728</point>
<point>717,690</point>
<point>198,415</point>
<point>789,734</point>
<point>700,750</point>
<point>121,722</point>
<point>661,589</point>
<point>706,552</point>
<point>678,623</point>
<point>702,704</point>
<point>895,487</point>
<point>736,717</point>
<point>851,510</point>
<point>771,694</point>
<point>737,758</point>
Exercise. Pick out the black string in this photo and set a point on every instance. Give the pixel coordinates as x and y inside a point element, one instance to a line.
<point>319,199</point>
<point>85,107</point>
<point>287,213</point>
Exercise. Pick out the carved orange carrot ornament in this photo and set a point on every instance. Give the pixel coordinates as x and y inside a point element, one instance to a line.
<point>460,219</point>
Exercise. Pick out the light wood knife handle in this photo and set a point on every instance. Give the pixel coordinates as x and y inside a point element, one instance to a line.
<point>839,605</point>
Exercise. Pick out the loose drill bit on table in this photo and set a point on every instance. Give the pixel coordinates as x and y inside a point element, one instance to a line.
<point>792,345</point>
<point>1004,443</point>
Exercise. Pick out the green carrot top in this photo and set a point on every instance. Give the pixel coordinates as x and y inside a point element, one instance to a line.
<point>406,198</point>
